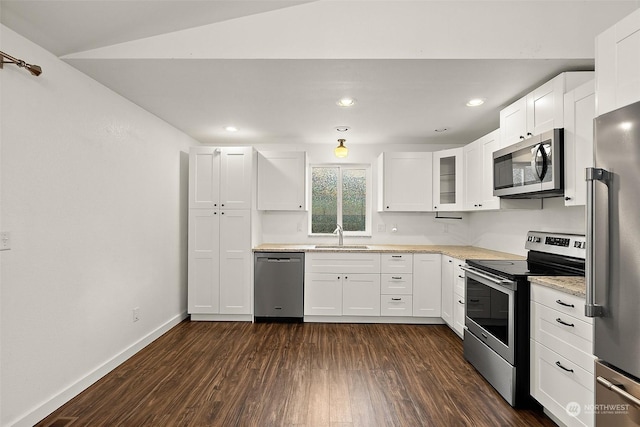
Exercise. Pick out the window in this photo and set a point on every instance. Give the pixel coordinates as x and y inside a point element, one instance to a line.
<point>340,195</point>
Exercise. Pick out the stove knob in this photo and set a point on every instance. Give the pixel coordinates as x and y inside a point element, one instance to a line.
<point>537,240</point>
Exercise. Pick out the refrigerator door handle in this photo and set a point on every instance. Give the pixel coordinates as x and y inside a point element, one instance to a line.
<point>591,308</point>
<point>620,391</point>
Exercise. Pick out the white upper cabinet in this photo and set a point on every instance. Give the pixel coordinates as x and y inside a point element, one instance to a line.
<point>204,181</point>
<point>236,172</point>
<point>448,179</point>
<point>478,173</point>
<point>220,177</point>
<point>281,180</point>
<point>539,111</point>
<point>618,65</point>
<point>405,182</point>
<point>579,110</point>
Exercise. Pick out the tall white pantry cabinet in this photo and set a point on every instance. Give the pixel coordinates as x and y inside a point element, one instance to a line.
<point>219,260</point>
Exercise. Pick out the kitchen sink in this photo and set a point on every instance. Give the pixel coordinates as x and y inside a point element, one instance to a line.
<point>342,247</point>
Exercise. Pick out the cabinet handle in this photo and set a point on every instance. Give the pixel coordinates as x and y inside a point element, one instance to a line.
<point>529,134</point>
<point>221,213</point>
<point>215,204</point>
<point>567,198</point>
<point>474,300</point>
<point>480,205</point>
<point>521,137</point>
<point>387,207</point>
<point>215,213</point>
<point>345,277</point>
<point>300,206</point>
<point>564,304</point>
<point>462,277</point>
<point>396,256</point>
<point>475,206</point>
<point>559,320</point>
<point>222,204</point>
<point>435,207</point>
<point>460,301</point>
<point>338,277</point>
<point>559,365</point>
<point>396,278</point>
<point>450,260</point>
<point>396,299</point>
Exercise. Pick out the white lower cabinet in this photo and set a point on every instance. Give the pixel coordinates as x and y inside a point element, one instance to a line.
<point>427,285</point>
<point>364,285</point>
<point>323,294</point>
<point>219,267</point>
<point>562,361</point>
<point>361,295</point>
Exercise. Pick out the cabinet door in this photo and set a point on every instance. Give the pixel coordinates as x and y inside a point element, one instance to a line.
<point>323,294</point>
<point>204,262</point>
<point>490,143</point>
<point>544,107</point>
<point>448,179</point>
<point>513,122</point>
<point>458,315</point>
<point>427,284</point>
<point>473,177</point>
<point>235,262</point>
<point>579,110</point>
<point>281,180</point>
<point>407,182</point>
<point>235,177</point>
<point>618,65</point>
<point>361,295</point>
<point>204,176</point>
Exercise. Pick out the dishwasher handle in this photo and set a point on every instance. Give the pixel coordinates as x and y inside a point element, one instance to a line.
<point>278,259</point>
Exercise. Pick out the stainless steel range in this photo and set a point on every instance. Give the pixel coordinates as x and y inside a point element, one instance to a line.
<point>496,336</point>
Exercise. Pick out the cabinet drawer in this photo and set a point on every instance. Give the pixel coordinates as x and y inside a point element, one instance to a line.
<point>334,262</point>
<point>399,283</point>
<point>564,334</point>
<point>396,305</point>
<point>479,306</point>
<point>555,387</point>
<point>396,263</point>
<point>561,301</point>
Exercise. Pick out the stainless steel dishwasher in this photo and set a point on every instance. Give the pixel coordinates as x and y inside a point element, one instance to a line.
<point>278,286</point>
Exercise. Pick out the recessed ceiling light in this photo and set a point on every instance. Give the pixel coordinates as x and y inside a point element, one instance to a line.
<point>441,130</point>
<point>231,129</point>
<point>342,128</point>
<point>346,102</point>
<point>475,102</point>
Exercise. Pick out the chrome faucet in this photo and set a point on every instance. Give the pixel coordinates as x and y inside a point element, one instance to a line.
<point>339,231</point>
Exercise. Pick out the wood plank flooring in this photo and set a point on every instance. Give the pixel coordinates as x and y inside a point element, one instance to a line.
<point>307,374</point>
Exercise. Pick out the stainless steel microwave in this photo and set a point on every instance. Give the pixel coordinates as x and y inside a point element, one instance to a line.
<point>532,168</point>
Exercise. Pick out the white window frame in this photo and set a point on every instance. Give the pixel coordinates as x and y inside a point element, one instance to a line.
<point>368,204</point>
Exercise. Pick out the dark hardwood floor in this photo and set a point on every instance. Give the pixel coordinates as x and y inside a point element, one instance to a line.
<point>243,374</point>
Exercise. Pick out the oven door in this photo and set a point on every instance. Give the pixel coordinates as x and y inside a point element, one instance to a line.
<point>490,311</point>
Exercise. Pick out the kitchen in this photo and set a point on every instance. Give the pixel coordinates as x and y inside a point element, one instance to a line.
<point>96,239</point>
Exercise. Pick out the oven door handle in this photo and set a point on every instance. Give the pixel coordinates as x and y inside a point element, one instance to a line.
<point>493,279</point>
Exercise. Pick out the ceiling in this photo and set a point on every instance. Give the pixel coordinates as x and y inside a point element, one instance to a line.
<point>275,69</point>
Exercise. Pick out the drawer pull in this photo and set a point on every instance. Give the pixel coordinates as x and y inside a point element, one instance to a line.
<point>396,256</point>
<point>462,277</point>
<point>396,299</point>
<point>473,300</point>
<point>565,304</point>
<point>461,302</point>
<point>559,320</point>
<point>396,278</point>
<point>559,365</point>
<point>619,389</point>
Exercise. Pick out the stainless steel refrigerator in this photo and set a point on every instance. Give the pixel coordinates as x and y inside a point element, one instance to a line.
<point>613,265</point>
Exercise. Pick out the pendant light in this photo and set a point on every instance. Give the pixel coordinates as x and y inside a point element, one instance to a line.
<point>341,151</point>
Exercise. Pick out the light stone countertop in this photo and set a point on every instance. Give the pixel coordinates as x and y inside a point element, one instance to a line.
<point>570,285</point>
<point>460,252</point>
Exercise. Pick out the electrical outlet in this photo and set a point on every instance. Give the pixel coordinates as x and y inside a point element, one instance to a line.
<point>5,241</point>
<point>136,314</point>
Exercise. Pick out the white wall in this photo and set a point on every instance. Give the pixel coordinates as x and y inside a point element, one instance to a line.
<point>413,228</point>
<point>94,195</point>
<point>506,230</point>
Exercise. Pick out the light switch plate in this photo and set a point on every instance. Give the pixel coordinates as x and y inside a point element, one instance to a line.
<point>5,241</point>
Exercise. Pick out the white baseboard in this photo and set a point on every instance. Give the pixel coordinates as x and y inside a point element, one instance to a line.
<point>47,407</point>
